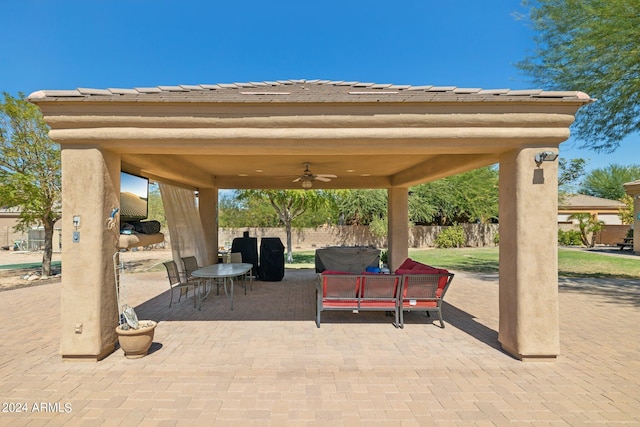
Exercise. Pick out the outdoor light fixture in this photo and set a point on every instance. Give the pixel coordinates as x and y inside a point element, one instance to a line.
<point>545,156</point>
<point>306,184</point>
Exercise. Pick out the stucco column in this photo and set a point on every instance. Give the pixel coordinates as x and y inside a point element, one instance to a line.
<point>636,223</point>
<point>208,206</point>
<point>529,325</point>
<point>633,190</point>
<point>90,191</point>
<point>398,226</point>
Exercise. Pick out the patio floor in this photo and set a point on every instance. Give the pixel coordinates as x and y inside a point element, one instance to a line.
<point>266,363</point>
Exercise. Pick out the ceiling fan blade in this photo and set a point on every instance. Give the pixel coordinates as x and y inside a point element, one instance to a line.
<point>322,178</point>
<point>326,175</point>
<point>297,179</point>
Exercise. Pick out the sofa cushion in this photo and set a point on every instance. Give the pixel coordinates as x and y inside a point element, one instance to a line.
<point>410,266</point>
<point>407,264</point>
<point>408,304</point>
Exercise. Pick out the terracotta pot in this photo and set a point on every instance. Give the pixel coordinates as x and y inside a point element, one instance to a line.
<point>136,342</point>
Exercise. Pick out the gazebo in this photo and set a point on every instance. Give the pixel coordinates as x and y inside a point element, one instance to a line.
<point>261,134</point>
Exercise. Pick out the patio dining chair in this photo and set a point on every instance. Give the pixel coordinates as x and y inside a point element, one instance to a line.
<point>190,265</point>
<point>177,282</point>
<point>236,257</point>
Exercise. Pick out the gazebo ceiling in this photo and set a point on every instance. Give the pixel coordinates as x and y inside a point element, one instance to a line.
<point>260,135</point>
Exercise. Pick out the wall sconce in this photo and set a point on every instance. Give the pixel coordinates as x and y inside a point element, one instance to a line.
<point>545,156</point>
<point>306,184</point>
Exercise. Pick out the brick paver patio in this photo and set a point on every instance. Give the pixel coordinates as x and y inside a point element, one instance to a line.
<point>266,363</point>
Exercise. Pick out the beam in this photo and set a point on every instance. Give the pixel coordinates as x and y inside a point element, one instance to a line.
<point>441,167</point>
<point>256,183</point>
<point>301,120</point>
<point>257,141</point>
<point>171,169</point>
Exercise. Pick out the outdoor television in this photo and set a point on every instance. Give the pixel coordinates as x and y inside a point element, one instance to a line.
<point>134,197</point>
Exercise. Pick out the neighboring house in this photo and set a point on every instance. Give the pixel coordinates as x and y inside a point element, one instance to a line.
<point>33,240</point>
<point>605,210</point>
<point>8,219</point>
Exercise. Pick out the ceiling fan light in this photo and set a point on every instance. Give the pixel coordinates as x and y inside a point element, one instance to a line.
<point>306,184</point>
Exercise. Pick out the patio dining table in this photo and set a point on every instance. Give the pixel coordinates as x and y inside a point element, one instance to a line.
<point>225,272</point>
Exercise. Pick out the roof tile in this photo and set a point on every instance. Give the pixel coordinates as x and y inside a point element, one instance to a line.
<point>306,90</point>
<point>148,89</point>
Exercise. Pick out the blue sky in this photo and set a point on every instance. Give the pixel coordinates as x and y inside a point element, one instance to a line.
<point>66,44</point>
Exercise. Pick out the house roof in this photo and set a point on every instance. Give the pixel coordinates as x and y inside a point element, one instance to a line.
<point>9,211</point>
<point>632,188</point>
<point>307,91</point>
<point>583,201</point>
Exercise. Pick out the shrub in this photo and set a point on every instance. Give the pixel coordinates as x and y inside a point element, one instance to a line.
<point>378,227</point>
<point>569,238</point>
<point>451,237</point>
<point>384,256</point>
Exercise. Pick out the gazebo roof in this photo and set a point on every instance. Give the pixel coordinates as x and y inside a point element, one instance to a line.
<point>260,134</point>
<point>306,91</point>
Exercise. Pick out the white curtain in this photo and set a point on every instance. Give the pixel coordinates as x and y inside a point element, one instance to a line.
<point>183,220</point>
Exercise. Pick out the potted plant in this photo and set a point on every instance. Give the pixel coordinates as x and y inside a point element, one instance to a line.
<point>384,258</point>
<point>135,337</point>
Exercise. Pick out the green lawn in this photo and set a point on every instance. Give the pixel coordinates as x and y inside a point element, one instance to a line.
<point>571,263</point>
<point>28,266</point>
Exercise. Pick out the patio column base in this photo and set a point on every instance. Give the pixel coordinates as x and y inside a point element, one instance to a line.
<point>88,357</point>
<point>529,357</point>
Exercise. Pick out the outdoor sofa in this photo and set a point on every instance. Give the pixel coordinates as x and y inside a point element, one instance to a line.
<point>414,286</point>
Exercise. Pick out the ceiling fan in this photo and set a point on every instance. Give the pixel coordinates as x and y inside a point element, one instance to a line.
<point>308,177</point>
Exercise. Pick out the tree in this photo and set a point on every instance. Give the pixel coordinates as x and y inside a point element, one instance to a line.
<point>467,197</point>
<point>608,182</point>
<point>569,172</point>
<point>592,46</point>
<point>29,170</point>
<point>360,207</point>
<point>589,227</point>
<point>288,205</point>
<point>156,208</point>
<point>245,212</point>
<point>626,214</point>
